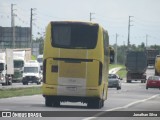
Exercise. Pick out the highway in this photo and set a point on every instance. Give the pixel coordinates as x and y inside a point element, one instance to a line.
<point>132,97</point>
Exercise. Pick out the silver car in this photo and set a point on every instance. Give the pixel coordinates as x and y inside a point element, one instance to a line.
<point>114,81</point>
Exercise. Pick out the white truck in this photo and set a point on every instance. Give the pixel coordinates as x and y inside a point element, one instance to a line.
<point>20,56</point>
<point>32,73</point>
<point>6,66</point>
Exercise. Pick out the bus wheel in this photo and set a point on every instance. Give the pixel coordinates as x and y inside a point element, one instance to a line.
<point>48,101</point>
<point>102,103</point>
<point>95,104</point>
<point>56,103</point>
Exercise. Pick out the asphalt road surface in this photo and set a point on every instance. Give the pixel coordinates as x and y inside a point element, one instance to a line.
<point>132,97</point>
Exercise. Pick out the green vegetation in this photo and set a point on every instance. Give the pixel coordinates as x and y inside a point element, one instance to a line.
<point>122,72</point>
<point>33,57</point>
<point>122,49</point>
<point>5,93</point>
<point>111,66</point>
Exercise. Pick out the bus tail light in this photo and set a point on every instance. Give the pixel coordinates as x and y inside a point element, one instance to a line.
<point>100,73</point>
<point>44,71</point>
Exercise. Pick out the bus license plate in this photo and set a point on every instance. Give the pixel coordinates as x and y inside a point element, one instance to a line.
<point>72,88</point>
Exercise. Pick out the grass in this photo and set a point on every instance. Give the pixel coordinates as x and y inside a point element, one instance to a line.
<point>33,57</point>
<point>13,92</point>
<point>122,72</point>
<point>115,65</point>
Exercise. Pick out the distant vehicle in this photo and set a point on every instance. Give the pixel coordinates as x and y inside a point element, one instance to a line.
<point>153,82</point>
<point>157,65</point>
<point>151,55</point>
<point>6,66</point>
<point>136,65</point>
<point>150,67</point>
<point>112,54</point>
<point>40,60</point>
<point>76,60</point>
<point>20,56</point>
<point>114,81</point>
<point>32,73</point>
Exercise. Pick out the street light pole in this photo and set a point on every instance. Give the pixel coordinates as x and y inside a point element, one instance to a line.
<point>31,19</point>
<point>116,49</point>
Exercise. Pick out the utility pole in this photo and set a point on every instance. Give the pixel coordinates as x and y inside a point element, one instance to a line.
<point>146,40</point>
<point>12,15</point>
<point>129,25</point>
<point>124,51</point>
<point>116,49</point>
<point>31,21</point>
<point>13,25</point>
<point>91,18</point>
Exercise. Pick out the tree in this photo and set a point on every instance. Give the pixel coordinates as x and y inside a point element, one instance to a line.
<point>121,50</point>
<point>40,41</point>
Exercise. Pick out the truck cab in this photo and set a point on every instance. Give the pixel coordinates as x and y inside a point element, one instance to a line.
<point>18,58</point>
<point>32,73</point>
<point>2,72</point>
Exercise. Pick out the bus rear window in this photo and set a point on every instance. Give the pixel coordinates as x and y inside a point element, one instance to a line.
<point>74,35</point>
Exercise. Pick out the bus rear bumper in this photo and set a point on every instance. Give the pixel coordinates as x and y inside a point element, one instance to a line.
<point>51,92</point>
<point>71,98</point>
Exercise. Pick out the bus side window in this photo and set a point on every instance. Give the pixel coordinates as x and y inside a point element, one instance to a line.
<point>106,43</point>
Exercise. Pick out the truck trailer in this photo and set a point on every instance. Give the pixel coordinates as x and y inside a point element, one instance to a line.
<point>151,56</point>
<point>136,65</point>
<point>6,66</point>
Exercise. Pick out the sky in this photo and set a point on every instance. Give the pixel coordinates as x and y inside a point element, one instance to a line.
<point>113,15</point>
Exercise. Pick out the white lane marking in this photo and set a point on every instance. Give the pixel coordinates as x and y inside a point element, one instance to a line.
<point>126,106</point>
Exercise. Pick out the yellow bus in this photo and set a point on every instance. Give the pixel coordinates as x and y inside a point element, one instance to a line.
<point>76,62</point>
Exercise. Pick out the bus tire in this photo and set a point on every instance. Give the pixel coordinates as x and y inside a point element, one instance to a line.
<point>95,104</point>
<point>48,102</point>
<point>56,103</point>
<point>102,103</point>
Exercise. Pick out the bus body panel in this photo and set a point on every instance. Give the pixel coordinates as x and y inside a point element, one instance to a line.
<point>75,73</point>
